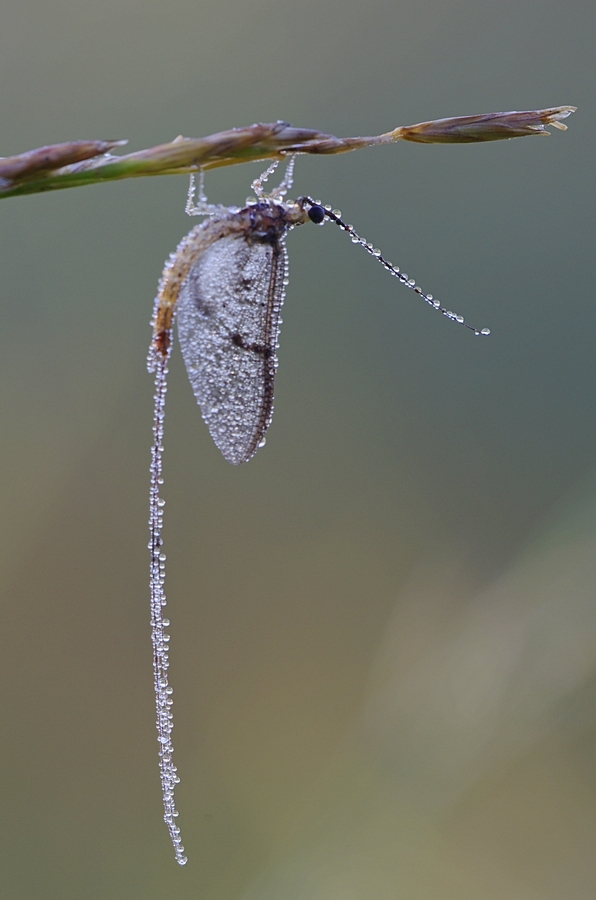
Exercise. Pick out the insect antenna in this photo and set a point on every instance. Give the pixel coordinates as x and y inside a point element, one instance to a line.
<point>318,213</point>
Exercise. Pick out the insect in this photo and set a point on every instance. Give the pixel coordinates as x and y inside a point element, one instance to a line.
<point>225,284</point>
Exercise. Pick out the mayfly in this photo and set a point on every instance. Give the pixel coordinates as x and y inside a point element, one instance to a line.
<point>225,284</point>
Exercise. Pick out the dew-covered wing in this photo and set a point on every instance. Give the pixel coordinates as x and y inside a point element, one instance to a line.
<point>228,326</point>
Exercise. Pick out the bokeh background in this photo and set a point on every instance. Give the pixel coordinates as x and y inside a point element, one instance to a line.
<point>384,626</point>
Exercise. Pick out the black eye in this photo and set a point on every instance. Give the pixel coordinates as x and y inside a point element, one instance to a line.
<point>316,214</point>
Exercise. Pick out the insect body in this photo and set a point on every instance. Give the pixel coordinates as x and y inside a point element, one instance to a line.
<point>228,316</point>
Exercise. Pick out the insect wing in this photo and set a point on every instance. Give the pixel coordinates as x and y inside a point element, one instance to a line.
<point>228,326</point>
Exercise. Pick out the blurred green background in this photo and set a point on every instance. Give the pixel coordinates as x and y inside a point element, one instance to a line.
<point>383,627</point>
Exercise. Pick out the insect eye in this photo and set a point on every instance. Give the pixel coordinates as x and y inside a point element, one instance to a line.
<point>316,214</point>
